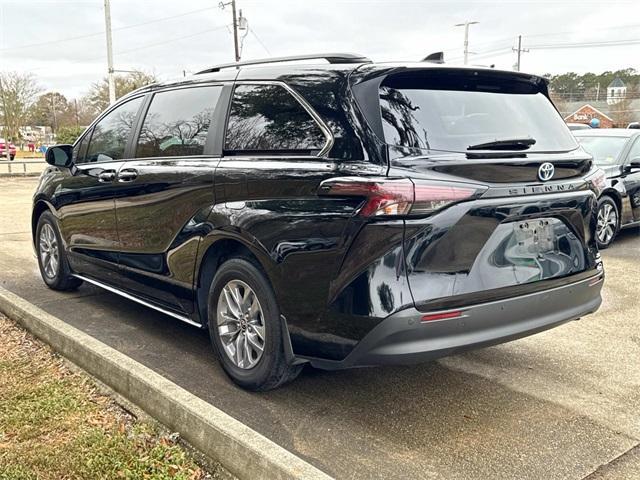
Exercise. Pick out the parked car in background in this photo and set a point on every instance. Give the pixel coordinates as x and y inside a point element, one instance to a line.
<point>617,152</point>
<point>578,126</point>
<point>635,125</point>
<point>340,213</point>
<point>3,151</point>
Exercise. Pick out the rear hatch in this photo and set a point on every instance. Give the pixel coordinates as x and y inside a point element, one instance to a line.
<point>530,223</point>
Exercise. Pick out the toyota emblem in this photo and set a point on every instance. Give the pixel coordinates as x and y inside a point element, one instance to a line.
<point>545,172</point>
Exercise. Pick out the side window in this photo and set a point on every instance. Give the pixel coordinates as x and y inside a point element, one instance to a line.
<point>177,122</point>
<point>110,135</point>
<point>80,150</point>
<point>268,118</point>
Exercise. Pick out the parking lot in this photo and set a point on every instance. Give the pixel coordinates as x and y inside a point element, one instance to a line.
<point>562,404</point>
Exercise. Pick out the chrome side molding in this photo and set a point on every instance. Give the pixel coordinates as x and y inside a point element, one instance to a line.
<point>138,300</point>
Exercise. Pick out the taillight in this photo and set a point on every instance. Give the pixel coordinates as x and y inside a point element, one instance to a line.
<point>388,196</point>
<point>429,198</point>
<point>597,180</point>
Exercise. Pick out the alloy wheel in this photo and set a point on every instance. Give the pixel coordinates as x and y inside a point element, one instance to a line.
<point>607,223</point>
<point>241,325</point>
<point>49,251</point>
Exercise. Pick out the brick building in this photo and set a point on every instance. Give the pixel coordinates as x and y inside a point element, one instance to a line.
<point>617,110</point>
<point>585,113</point>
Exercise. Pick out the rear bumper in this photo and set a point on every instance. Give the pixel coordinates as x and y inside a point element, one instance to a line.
<point>403,339</point>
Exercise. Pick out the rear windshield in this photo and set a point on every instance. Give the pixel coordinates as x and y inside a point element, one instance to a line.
<point>453,110</point>
<point>605,150</point>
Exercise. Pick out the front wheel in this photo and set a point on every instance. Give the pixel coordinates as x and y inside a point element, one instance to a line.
<point>245,327</point>
<point>52,259</point>
<point>608,222</point>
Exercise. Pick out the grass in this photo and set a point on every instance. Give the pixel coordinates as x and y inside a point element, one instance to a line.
<point>56,424</point>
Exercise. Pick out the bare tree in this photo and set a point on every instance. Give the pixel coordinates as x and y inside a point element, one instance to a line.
<point>18,92</point>
<point>98,96</point>
<point>560,103</point>
<point>51,109</point>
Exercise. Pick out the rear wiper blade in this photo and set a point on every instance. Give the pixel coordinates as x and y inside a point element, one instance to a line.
<point>505,144</point>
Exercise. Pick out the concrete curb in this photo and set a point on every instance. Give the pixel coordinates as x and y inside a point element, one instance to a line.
<point>241,450</point>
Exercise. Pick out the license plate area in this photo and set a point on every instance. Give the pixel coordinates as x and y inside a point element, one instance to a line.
<point>538,249</point>
<point>534,237</point>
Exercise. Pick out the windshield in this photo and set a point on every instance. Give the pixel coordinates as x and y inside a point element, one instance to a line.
<point>605,150</point>
<point>453,110</point>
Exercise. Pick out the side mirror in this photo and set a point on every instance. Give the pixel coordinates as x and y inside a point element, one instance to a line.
<point>60,156</point>
<point>634,164</point>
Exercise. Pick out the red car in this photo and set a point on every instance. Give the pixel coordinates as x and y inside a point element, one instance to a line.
<point>3,153</point>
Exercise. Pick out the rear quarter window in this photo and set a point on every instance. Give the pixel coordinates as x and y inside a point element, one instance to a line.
<point>268,118</point>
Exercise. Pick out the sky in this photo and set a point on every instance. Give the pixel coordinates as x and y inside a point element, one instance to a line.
<point>63,43</point>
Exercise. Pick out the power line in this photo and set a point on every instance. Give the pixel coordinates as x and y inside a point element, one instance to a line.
<point>558,46</point>
<point>610,43</point>
<point>492,43</point>
<point>488,53</point>
<point>260,41</point>
<point>171,40</point>
<point>618,27</point>
<point>142,47</point>
<point>98,34</point>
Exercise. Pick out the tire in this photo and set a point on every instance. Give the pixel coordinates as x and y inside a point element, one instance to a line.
<point>55,272</point>
<point>259,324</point>
<point>608,222</point>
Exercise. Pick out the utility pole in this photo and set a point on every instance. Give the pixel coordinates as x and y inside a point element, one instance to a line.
<point>107,21</point>
<point>520,50</point>
<point>6,126</point>
<point>466,38</point>
<point>53,111</point>
<point>235,30</point>
<point>235,26</point>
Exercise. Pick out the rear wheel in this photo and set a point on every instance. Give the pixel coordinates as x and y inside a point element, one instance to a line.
<point>52,259</point>
<point>245,327</point>
<point>608,222</point>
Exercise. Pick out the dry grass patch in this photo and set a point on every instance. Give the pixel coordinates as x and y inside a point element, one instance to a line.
<point>55,424</point>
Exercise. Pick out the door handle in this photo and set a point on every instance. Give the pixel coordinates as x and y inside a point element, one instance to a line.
<point>106,176</point>
<point>127,175</point>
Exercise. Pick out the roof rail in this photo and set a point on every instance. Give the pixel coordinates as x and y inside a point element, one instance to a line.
<point>329,57</point>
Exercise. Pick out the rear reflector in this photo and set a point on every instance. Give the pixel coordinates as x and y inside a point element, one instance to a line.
<point>441,316</point>
<point>388,196</point>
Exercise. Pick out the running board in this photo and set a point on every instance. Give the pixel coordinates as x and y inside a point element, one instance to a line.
<point>138,300</point>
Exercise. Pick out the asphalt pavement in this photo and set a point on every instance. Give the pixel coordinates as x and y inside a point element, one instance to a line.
<point>563,404</point>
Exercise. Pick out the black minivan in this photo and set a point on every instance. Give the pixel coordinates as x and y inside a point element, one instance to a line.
<point>336,212</point>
